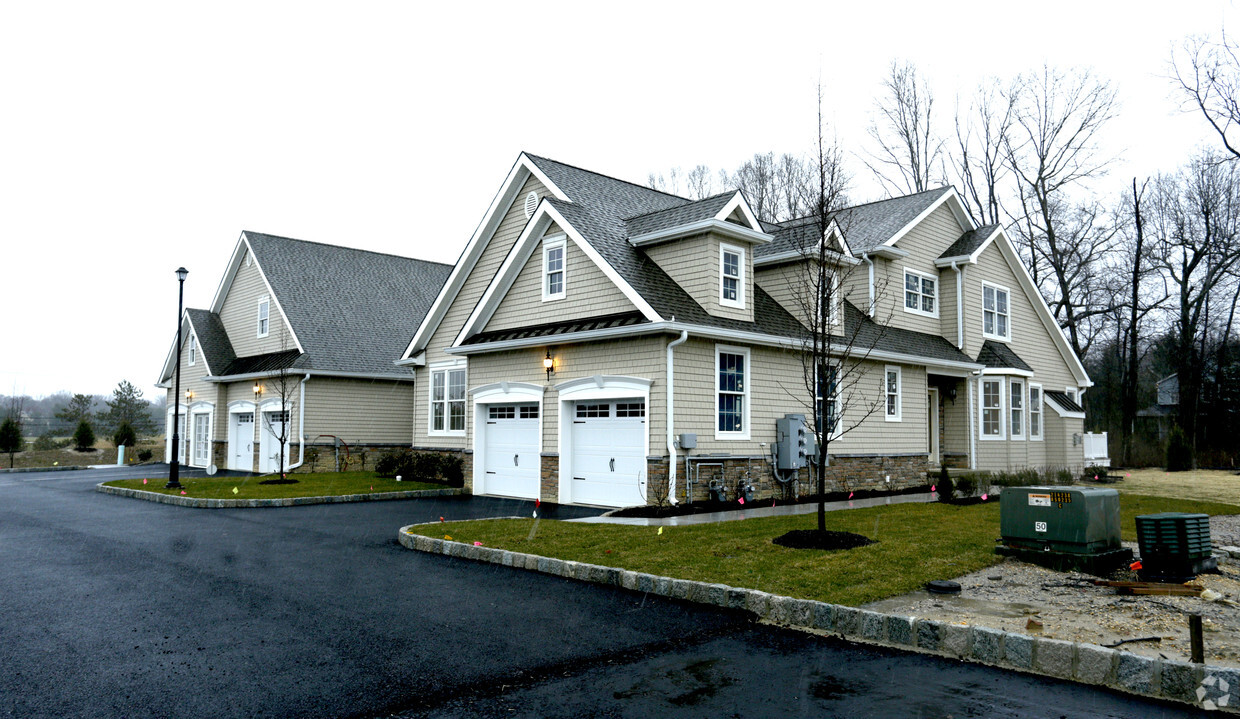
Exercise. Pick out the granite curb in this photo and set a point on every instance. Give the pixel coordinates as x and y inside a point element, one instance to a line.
<point>1203,685</point>
<point>18,470</point>
<point>201,503</point>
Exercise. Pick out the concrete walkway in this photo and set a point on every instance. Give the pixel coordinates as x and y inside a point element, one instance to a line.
<point>755,510</point>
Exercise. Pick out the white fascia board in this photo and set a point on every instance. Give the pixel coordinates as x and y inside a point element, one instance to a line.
<point>524,247</point>
<point>234,263</point>
<point>1008,251</point>
<point>1006,371</point>
<point>218,303</point>
<point>738,201</point>
<point>795,256</point>
<point>953,200</point>
<point>888,252</point>
<point>418,360</point>
<point>1060,410</point>
<point>521,170</point>
<point>971,258</point>
<point>309,373</point>
<point>728,229</point>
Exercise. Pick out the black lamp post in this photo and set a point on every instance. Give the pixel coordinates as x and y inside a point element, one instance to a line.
<point>174,468</point>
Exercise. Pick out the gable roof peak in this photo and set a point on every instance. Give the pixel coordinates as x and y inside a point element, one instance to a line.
<point>610,178</point>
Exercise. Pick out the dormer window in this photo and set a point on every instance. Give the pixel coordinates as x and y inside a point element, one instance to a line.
<point>731,276</point>
<point>193,350</point>
<point>554,284</point>
<point>264,316</point>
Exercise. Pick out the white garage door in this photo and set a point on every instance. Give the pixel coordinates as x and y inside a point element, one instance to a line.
<point>511,462</point>
<point>609,452</point>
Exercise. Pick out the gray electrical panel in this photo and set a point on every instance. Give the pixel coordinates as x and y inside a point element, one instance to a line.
<point>688,441</point>
<point>792,442</point>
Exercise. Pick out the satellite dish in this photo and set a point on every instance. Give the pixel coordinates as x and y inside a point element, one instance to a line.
<point>212,470</point>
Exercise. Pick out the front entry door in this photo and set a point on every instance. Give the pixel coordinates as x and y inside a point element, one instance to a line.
<point>241,444</point>
<point>932,426</point>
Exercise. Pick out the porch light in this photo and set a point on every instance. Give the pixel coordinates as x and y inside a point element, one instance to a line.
<point>258,389</point>
<point>189,394</point>
<point>549,364</point>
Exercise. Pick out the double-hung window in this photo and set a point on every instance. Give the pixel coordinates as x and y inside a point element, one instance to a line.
<point>992,408</point>
<point>732,392</point>
<point>731,276</point>
<point>264,316</point>
<point>1035,411</point>
<point>554,286</point>
<point>1016,407</point>
<point>996,313</point>
<point>891,389</point>
<point>447,401</point>
<point>921,293</point>
<point>827,400</point>
<point>193,350</point>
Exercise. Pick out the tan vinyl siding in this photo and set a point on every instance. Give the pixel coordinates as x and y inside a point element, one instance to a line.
<point>240,315</point>
<point>955,419</point>
<point>588,293</point>
<point>788,285</point>
<point>777,387</point>
<point>924,243</point>
<point>205,394</point>
<point>641,357</point>
<point>359,411</point>
<point>694,264</point>
<point>947,305</point>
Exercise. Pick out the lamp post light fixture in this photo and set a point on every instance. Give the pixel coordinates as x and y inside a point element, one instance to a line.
<point>174,466</point>
<point>549,365</point>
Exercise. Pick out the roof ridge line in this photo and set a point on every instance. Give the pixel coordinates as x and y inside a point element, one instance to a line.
<point>871,202</point>
<point>680,207</point>
<point>609,177</point>
<point>343,247</point>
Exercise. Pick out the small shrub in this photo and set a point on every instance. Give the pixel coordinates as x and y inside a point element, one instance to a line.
<point>1179,451</point>
<point>966,485</point>
<point>361,456</point>
<point>452,469</point>
<point>124,435</point>
<point>1064,476</point>
<point>946,488</point>
<point>389,464</point>
<point>46,442</point>
<point>144,455</point>
<point>1096,473</point>
<point>84,437</point>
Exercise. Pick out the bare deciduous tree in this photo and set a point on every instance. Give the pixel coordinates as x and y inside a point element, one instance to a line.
<point>1208,75</point>
<point>980,163</point>
<point>909,153</point>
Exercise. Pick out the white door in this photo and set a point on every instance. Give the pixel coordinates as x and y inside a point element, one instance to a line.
<point>511,464</point>
<point>609,452</point>
<point>269,442</point>
<point>202,439</point>
<point>241,442</point>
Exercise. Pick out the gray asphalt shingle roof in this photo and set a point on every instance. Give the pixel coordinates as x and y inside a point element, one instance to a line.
<point>352,310</point>
<point>967,243</point>
<point>1000,356</point>
<point>679,215</point>
<point>213,341</point>
<point>1063,400</point>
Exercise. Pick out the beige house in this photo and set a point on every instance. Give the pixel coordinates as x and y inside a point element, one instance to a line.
<point>298,344</point>
<point>591,325</point>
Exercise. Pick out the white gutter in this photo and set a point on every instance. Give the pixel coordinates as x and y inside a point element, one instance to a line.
<point>727,229</point>
<point>301,427</point>
<point>794,255</point>
<point>308,373</point>
<point>959,306</point>
<point>870,261</point>
<point>671,438</point>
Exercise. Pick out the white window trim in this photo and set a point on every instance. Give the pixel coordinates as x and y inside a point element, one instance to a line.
<point>444,367</point>
<point>1024,411</point>
<point>747,394</point>
<point>193,350</point>
<point>194,414</point>
<point>739,302</point>
<point>904,297</point>
<point>1031,410</point>
<point>898,416</point>
<point>1008,292</point>
<point>981,408</point>
<point>548,244</point>
<point>1072,394</point>
<point>258,316</point>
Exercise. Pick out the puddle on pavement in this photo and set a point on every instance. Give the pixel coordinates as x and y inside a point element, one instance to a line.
<point>988,607</point>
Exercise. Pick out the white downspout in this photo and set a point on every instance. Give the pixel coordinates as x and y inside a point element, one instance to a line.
<point>870,261</point>
<point>671,438</point>
<point>301,427</point>
<point>972,429</point>
<point>959,306</point>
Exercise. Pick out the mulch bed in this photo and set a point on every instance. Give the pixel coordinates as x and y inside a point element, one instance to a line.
<point>280,481</point>
<point>814,539</point>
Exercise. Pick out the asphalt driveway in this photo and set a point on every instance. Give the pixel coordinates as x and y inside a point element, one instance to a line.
<point>112,607</point>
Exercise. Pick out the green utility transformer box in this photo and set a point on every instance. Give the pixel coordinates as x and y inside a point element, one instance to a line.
<point>1062,527</point>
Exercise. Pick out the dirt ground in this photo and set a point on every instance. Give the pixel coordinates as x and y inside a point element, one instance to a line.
<point>104,453</point>
<point>1015,597</point>
<point>1205,484</point>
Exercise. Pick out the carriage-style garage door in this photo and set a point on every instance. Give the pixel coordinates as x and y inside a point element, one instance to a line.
<point>609,459</point>
<point>512,466</point>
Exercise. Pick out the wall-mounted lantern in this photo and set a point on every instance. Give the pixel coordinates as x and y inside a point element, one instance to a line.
<point>549,364</point>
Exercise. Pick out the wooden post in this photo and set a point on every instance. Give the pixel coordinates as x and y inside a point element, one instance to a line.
<point>1194,633</point>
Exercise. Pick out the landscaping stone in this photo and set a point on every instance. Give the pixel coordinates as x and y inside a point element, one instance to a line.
<point>801,612</point>
<point>1018,651</point>
<point>663,586</point>
<point>929,635</point>
<point>1179,680</point>
<point>507,561</point>
<point>1053,657</point>
<point>987,645</point>
<point>873,625</point>
<point>645,582</point>
<point>628,580</point>
<point>955,639</point>
<point>737,598</point>
<point>546,565</point>
<point>1094,664</point>
<point>824,616</point>
<point>900,630</point>
<point>778,609</point>
<point>1222,688</point>
<point>847,623</point>
<point>1135,673</point>
<point>715,595</point>
<point>758,602</point>
<point>680,589</point>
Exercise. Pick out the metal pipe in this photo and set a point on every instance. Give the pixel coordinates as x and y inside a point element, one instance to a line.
<point>671,438</point>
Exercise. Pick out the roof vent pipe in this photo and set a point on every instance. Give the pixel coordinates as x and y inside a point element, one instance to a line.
<point>671,437</point>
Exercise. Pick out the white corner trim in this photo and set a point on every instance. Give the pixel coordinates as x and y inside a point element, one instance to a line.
<point>521,170</point>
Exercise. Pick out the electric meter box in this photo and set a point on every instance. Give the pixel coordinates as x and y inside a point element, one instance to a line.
<point>1073,520</point>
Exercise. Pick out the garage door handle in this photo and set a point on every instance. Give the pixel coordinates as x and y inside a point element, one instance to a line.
<point>515,462</point>
<point>613,464</point>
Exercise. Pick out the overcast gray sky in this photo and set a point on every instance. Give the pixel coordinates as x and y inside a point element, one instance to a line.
<point>136,137</point>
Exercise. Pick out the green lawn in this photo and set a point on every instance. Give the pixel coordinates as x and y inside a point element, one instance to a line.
<point>916,543</point>
<point>320,484</point>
